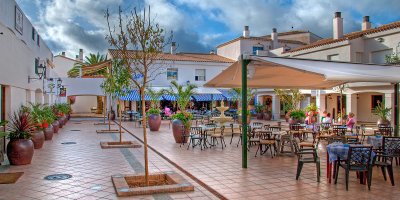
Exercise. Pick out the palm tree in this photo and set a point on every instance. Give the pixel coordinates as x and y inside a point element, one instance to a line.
<point>91,60</point>
<point>155,97</point>
<point>182,94</point>
<point>236,94</point>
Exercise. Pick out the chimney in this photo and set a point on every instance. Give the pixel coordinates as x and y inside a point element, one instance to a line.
<point>338,26</point>
<point>63,53</point>
<point>274,38</point>
<point>212,51</point>
<point>366,24</point>
<point>173,48</point>
<point>246,32</point>
<point>80,55</point>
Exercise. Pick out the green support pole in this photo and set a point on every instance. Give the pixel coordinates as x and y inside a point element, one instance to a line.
<point>396,109</point>
<point>245,62</point>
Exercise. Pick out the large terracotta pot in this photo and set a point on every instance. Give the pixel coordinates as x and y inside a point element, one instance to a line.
<point>287,116</point>
<point>260,116</point>
<point>267,116</point>
<point>177,131</point>
<point>383,122</point>
<point>295,121</point>
<point>55,125</point>
<point>48,133</point>
<point>154,122</point>
<point>68,116</point>
<point>111,115</point>
<point>38,139</point>
<point>64,120</point>
<point>20,151</point>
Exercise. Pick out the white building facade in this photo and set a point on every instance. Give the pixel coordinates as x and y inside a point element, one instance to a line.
<point>21,51</point>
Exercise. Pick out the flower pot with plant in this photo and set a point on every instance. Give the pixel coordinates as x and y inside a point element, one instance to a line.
<point>297,116</point>
<point>259,108</point>
<point>312,113</point>
<point>37,134</point>
<point>268,114</point>
<point>20,148</point>
<point>383,113</point>
<point>181,125</point>
<point>47,126</point>
<point>154,118</point>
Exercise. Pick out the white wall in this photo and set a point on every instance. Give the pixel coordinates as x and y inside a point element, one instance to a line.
<point>231,51</point>
<point>364,107</point>
<point>63,65</point>
<point>83,104</point>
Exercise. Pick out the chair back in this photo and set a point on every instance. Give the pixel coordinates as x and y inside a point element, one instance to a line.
<point>339,129</point>
<point>391,146</point>
<point>194,130</point>
<point>274,129</point>
<point>211,125</point>
<point>338,139</point>
<point>360,130</point>
<point>359,157</point>
<point>236,129</point>
<point>295,127</point>
<point>257,125</point>
<point>265,135</point>
<point>385,131</point>
<point>266,126</point>
<point>326,126</point>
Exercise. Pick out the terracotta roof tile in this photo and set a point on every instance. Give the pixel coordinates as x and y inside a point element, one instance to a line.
<point>349,36</point>
<point>193,57</point>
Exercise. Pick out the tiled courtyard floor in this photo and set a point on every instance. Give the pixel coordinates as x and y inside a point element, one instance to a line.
<point>265,177</point>
<point>91,167</point>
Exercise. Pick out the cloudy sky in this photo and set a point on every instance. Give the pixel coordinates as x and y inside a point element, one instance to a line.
<point>198,25</point>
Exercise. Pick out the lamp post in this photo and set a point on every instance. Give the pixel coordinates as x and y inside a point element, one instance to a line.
<point>41,71</point>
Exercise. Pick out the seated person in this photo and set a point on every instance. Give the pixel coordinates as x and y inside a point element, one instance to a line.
<point>167,112</point>
<point>327,119</point>
<point>350,121</point>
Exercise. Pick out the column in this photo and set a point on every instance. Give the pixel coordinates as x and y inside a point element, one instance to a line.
<point>276,107</point>
<point>320,102</point>
<point>351,104</point>
<point>389,103</point>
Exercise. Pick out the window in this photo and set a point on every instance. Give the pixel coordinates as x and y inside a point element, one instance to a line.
<point>33,33</point>
<point>38,41</point>
<point>255,48</point>
<point>172,74</point>
<point>200,75</point>
<point>376,100</point>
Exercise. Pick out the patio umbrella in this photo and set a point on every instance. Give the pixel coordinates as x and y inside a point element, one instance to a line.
<point>273,72</point>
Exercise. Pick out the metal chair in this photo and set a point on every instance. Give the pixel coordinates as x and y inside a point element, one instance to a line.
<point>306,156</point>
<point>196,133</point>
<point>236,130</point>
<point>218,133</point>
<point>385,131</point>
<point>268,140</point>
<point>359,160</point>
<point>390,151</point>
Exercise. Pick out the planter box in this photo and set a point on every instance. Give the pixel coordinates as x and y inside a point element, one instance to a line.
<point>123,144</point>
<point>166,182</point>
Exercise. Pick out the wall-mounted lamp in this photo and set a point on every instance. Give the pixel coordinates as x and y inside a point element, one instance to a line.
<point>59,82</point>
<point>187,82</point>
<point>41,71</point>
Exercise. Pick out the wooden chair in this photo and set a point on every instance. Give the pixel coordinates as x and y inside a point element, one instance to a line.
<point>236,130</point>
<point>218,133</point>
<point>359,160</point>
<point>268,140</point>
<point>296,130</point>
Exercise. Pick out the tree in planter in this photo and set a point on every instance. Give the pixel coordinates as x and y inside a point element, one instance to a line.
<point>259,108</point>
<point>182,94</point>
<point>383,113</point>
<point>341,89</point>
<point>116,83</point>
<point>153,114</point>
<point>138,31</point>
<point>297,116</point>
<point>291,99</point>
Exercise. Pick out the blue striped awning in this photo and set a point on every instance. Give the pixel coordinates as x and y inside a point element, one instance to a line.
<point>227,94</point>
<point>133,95</point>
<point>208,97</point>
<point>169,97</point>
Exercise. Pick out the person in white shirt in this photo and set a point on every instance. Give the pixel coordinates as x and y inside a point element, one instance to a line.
<point>327,119</point>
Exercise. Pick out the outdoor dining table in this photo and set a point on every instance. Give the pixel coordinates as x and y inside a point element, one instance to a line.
<point>375,141</point>
<point>333,152</point>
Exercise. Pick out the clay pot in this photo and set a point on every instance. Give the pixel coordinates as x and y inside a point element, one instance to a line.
<point>48,133</point>
<point>260,116</point>
<point>55,125</point>
<point>177,131</point>
<point>60,123</point>
<point>68,116</point>
<point>383,122</point>
<point>38,139</point>
<point>295,121</point>
<point>287,116</point>
<point>267,116</point>
<point>20,151</point>
<point>111,115</point>
<point>154,122</point>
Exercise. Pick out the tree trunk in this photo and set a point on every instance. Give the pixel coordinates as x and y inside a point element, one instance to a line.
<point>99,109</point>
<point>146,161</point>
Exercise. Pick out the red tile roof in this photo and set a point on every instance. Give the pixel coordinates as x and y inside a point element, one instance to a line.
<point>193,57</point>
<point>349,36</point>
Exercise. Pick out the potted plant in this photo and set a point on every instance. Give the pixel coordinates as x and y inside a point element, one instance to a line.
<point>268,114</point>
<point>312,113</point>
<point>47,123</point>
<point>297,116</point>
<point>37,134</point>
<point>259,108</point>
<point>383,113</point>
<point>153,114</point>
<point>20,148</point>
<point>182,118</point>
<point>290,99</point>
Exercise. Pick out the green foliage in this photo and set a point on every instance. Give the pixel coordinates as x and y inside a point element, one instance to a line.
<point>290,98</point>
<point>152,111</point>
<point>185,117</point>
<point>312,107</point>
<point>382,112</point>
<point>236,94</point>
<point>240,112</point>
<point>259,108</point>
<point>91,60</point>
<point>297,114</point>
<point>392,59</point>
<point>118,81</point>
<point>155,97</point>
<point>181,93</point>
<point>20,125</point>
<point>61,109</point>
